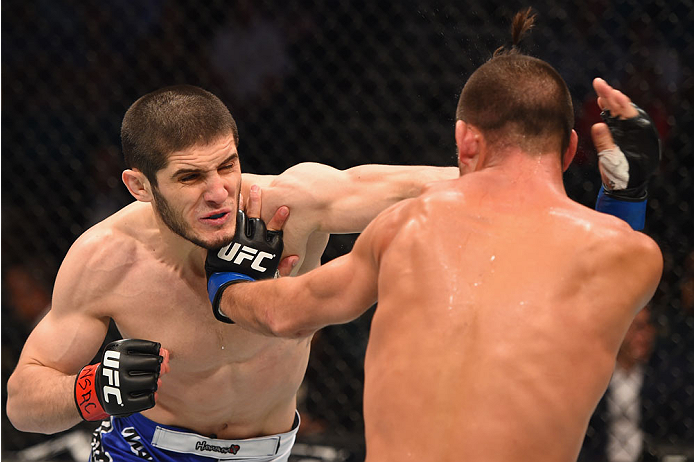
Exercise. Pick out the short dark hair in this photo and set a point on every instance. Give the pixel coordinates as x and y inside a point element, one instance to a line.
<point>172,119</point>
<point>518,98</point>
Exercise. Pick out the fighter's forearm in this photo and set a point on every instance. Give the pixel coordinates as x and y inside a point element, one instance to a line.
<point>398,182</point>
<point>406,180</point>
<point>295,307</point>
<point>41,400</point>
<point>270,307</point>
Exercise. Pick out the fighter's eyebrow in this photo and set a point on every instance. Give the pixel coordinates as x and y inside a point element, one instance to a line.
<point>184,171</point>
<point>233,157</point>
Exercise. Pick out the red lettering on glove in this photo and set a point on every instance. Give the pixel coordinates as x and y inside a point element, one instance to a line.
<point>85,394</point>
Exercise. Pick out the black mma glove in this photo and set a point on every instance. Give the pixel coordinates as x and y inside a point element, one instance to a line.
<point>253,254</point>
<point>626,169</point>
<point>123,383</point>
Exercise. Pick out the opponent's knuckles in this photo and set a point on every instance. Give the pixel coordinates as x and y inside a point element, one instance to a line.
<point>123,383</point>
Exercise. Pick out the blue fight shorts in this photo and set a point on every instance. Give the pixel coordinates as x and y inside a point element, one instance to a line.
<point>136,438</point>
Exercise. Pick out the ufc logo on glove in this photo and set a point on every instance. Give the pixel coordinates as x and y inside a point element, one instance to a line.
<point>244,253</point>
<point>123,383</point>
<point>253,243</point>
<point>110,371</point>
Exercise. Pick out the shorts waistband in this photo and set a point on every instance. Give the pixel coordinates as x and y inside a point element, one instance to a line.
<point>178,440</point>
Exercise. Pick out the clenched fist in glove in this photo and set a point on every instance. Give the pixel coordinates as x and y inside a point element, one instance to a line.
<point>123,383</point>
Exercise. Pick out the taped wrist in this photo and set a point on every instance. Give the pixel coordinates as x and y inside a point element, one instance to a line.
<point>216,284</point>
<point>86,397</point>
<point>630,210</point>
<point>638,146</point>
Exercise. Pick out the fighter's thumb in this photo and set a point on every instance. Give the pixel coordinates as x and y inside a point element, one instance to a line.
<point>602,138</point>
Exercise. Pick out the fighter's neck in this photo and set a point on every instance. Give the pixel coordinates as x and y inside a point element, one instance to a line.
<point>171,247</point>
<point>516,169</point>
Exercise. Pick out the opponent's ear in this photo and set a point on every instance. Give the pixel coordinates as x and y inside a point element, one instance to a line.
<point>570,151</point>
<point>467,139</point>
<point>138,185</point>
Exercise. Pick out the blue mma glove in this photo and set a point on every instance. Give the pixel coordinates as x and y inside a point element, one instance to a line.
<point>254,253</point>
<point>626,169</point>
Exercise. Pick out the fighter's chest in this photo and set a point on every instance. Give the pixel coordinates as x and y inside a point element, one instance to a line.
<point>176,312</point>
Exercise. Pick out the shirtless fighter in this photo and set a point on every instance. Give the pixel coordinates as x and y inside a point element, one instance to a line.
<point>143,267</point>
<point>501,302</point>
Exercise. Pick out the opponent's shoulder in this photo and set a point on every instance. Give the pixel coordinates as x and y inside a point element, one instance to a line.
<point>633,247</point>
<point>381,230</point>
<point>397,214</point>
<point>437,199</point>
<point>620,250</point>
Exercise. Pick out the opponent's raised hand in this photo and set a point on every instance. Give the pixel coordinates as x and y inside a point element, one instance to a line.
<point>627,142</point>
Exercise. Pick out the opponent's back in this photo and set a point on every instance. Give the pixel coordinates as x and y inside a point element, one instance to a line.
<point>500,314</point>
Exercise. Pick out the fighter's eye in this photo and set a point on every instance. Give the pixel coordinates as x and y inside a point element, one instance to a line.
<point>189,177</point>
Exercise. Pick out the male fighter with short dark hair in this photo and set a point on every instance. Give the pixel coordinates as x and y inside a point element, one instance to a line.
<point>227,392</point>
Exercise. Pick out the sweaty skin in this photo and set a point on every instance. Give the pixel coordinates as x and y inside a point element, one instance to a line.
<point>501,307</point>
<point>517,329</point>
<point>500,312</point>
<point>219,379</point>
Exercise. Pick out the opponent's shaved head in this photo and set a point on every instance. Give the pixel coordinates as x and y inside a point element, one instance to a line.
<point>169,120</point>
<point>518,99</point>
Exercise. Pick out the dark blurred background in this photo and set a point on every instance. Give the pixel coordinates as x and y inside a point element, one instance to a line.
<point>342,83</point>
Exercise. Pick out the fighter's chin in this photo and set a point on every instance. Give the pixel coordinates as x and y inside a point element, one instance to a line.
<point>215,243</point>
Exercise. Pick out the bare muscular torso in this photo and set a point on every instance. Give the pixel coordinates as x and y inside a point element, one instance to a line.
<point>497,326</point>
<point>223,380</point>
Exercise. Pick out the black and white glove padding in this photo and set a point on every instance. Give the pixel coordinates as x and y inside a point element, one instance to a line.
<point>253,254</point>
<point>123,383</point>
<point>627,168</point>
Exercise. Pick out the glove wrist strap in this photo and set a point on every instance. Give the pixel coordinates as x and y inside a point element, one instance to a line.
<point>635,194</point>
<point>632,211</point>
<point>86,397</point>
<point>216,284</point>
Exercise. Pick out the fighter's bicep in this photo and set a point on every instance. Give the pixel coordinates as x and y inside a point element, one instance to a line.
<point>74,328</point>
<point>64,341</point>
<point>320,197</point>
